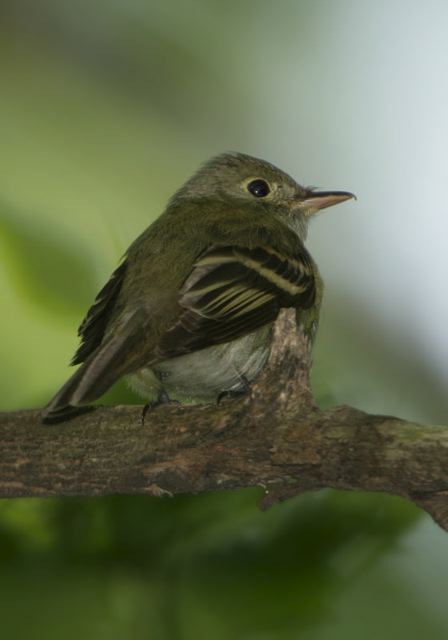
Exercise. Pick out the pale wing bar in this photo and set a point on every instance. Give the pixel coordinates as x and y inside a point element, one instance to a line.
<point>232,291</point>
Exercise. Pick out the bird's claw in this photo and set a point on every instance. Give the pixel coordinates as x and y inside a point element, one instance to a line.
<point>162,398</point>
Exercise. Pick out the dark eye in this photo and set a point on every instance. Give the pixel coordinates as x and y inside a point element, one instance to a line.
<point>258,188</point>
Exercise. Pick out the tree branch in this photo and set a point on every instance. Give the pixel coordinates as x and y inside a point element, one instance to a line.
<point>274,437</point>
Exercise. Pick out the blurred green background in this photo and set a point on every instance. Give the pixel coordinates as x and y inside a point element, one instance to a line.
<point>105,108</point>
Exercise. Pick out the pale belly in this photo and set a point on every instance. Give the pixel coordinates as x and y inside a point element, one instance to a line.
<point>203,375</point>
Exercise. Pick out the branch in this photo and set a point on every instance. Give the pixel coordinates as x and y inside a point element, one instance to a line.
<point>274,437</point>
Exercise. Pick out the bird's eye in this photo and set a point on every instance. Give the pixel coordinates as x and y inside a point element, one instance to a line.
<point>259,188</point>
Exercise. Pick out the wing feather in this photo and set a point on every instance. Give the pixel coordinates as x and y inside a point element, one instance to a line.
<point>92,328</point>
<point>232,291</point>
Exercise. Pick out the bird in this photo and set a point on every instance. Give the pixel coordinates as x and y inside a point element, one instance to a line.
<point>187,315</point>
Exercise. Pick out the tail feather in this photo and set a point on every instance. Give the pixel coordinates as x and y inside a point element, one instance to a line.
<point>85,386</point>
<point>114,358</point>
<point>62,405</point>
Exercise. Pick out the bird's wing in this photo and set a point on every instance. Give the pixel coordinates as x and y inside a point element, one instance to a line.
<point>93,327</point>
<point>232,291</point>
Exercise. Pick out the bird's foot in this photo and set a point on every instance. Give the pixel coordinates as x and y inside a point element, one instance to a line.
<point>235,393</point>
<point>162,398</point>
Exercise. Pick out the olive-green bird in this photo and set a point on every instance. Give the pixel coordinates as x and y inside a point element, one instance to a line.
<point>188,313</point>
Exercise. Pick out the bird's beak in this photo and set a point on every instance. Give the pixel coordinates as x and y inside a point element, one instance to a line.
<point>317,200</point>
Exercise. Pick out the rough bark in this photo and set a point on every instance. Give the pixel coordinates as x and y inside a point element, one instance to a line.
<point>274,437</point>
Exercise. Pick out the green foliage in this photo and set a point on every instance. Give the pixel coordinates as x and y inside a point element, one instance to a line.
<point>45,266</point>
<point>205,566</point>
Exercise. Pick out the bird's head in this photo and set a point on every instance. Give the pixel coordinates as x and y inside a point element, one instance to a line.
<point>247,181</point>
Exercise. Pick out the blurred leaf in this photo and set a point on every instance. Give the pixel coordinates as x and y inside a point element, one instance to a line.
<point>45,265</point>
<point>213,565</point>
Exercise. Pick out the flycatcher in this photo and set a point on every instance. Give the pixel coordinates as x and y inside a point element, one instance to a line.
<point>188,314</point>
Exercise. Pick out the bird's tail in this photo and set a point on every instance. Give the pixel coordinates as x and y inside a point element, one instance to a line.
<point>68,402</point>
<point>114,358</point>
